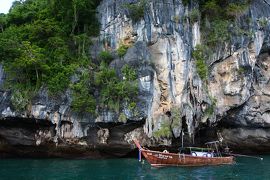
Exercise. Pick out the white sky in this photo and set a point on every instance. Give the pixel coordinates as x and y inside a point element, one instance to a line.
<point>5,5</point>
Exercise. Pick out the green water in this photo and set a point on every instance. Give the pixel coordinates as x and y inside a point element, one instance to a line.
<point>245,168</point>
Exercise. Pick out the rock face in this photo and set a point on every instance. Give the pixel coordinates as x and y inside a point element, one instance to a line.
<point>163,40</point>
<point>161,44</point>
<point>162,53</point>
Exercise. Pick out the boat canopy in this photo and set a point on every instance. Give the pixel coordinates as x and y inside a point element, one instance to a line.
<point>196,149</point>
<point>212,142</point>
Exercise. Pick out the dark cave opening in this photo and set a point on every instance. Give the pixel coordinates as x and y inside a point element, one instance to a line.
<point>184,124</point>
<point>168,113</point>
<point>30,124</point>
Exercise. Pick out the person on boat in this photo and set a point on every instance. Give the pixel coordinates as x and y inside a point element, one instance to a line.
<point>166,151</point>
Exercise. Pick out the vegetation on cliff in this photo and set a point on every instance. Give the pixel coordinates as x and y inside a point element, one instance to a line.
<point>136,10</point>
<point>164,131</point>
<point>218,20</point>
<point>199,54</point>
<point>43,43</point>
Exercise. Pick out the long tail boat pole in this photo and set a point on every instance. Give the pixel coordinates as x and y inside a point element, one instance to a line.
<point>182,138</point>
<point>242,155</point>
<point>140,149</point>
<point>140,155</point>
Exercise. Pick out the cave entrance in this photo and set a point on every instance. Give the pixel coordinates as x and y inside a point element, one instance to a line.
<point>168,113</point>
<point>184,124</point>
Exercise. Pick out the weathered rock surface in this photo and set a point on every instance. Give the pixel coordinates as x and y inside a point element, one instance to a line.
<point>161,45</point>
<point>238,76</point>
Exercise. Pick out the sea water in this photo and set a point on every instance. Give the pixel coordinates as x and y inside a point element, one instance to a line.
<point>244,168</point>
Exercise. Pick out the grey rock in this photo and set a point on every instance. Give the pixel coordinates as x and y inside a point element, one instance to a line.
<point>236,93</point>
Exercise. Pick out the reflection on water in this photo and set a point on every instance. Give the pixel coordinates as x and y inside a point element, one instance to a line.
<point>245,168</point>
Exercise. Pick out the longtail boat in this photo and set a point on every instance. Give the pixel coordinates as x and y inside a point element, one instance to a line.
<point>196,157</point>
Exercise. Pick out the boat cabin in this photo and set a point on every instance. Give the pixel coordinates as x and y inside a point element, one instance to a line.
<point>196,151</point>
<point>211,150</point>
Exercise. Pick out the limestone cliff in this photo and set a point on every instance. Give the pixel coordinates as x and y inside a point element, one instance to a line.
<point>168,79</point>
<point>235,99</point>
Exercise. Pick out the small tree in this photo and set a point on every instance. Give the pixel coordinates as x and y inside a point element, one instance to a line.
<point>236,10</point>
<point>194,15</point>
<point>122,50</point>
<point>136,11</point>
<point>164,131</point>
<point>199,56</point>
<point>105,56</point>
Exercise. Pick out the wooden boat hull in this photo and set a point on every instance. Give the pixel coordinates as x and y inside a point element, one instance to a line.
<point>161,159</point>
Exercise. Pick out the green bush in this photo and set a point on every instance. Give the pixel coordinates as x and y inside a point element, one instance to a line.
<point>128,73</point>
<point>223,9</point>
<point>201,69</point>
<point>122,118</point>
<point>122,50</point>
<point>83,102</point>
<point>59,82</point>
<point>194,15</point>
<point>82,98</point>
<point>263,22</point>
<point>176,117</point>
<point>20,99</point>
<point>105,76</point>
<point>164,131</point>
<point>199,55</point>
<point>211,108</point>
<point>185,2</point>
<point>176,19</point>
<point>113,90</point>
<point>136,11</point>
<point>105,56</point>
<point>113,104</point>
<point>217,33</point>
<point>132,106</point>
<point>242,70</point>
<point>211,9</point>
<point>236,10</point>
